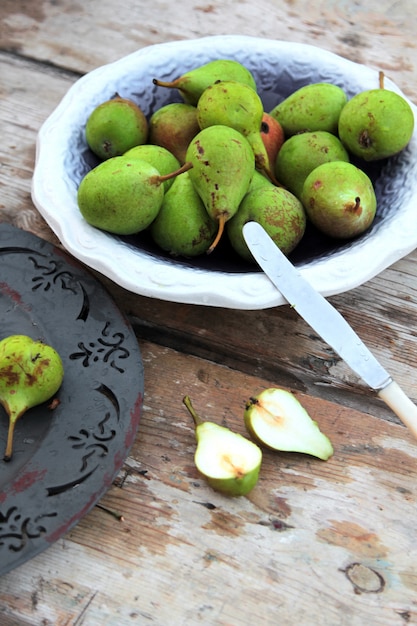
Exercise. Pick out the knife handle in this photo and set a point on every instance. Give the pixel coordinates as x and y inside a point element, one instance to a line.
<point>401,404</point>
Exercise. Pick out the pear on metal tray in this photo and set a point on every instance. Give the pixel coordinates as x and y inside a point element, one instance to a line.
<point>31,372</point>
<point>229,462</point>
<point>276,418</point>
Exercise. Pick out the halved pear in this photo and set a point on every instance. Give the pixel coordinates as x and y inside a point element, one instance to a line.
<point>276,419</point>
<point>229,462</point>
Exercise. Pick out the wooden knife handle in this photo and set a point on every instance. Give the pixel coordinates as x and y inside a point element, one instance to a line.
<point>401,404</point>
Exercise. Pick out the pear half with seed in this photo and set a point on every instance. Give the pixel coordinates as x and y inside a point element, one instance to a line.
<point>229,462</point>
<point>276,419</point>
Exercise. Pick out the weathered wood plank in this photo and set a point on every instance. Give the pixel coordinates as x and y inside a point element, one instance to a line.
<point>279,345</point>
<point>30,92</point>
<point>314,543</point>
<point>380,34</point>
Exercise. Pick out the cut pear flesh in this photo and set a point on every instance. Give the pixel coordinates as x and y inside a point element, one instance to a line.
<point>277,419</point>
<point>224,454</point>
<point>229,462</point>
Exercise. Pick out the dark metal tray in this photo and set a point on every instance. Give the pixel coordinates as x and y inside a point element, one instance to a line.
<point>65,459</point>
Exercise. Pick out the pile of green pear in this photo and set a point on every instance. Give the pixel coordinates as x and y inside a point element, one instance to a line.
<point>193,170</point>
<point>31,372</point>
<point>275,419</point>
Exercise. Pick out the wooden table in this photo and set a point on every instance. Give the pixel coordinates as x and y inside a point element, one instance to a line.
<point>315,542</point>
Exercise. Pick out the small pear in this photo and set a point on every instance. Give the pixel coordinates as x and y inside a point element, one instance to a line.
<point>280,213</point>
<point>222,168</point>
<point>273,137</point>
<point>302,153</point>
<point>339,199</point>
<point>192,84</point>
<point>316,106</point>
<point>115,126</point>
<point>234,104</point>
<point>229,462</point>
<point>31,372</point>
<point>122,195</point>
<point>183,227</point>
<point>161,158</point>
<point>173,126</point>
<point>276,419</point>
<point>376,124</point>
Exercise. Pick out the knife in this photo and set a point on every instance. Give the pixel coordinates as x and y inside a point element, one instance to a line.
<point>327,322</point>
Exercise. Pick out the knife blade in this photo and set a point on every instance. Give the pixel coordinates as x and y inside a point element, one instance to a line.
<point>327,322</point>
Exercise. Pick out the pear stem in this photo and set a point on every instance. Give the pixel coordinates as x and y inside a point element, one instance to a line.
<point>197,419</point>
<point>381,80</point>
<point>163,83</point>
<point>184,168</point>
<point>9,445</point>
<point>222,221</point>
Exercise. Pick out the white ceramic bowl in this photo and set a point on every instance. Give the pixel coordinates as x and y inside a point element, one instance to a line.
<point>279,68</point>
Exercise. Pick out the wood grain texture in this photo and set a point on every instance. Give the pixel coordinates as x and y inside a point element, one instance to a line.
<point>315,542</point>
<point>81,36</point>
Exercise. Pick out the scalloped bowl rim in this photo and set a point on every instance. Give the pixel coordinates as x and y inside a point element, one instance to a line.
<point>54,195</point>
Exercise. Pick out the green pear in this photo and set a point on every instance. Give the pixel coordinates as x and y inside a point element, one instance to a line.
<point>192,84</point>
<point>316,106</point>
<point>302,153</point>
<point>280,213</point>
<point>229,462</point>
<point>260,179</point>
<point>237,105</point>
<point>276,419</point>
<point>31,372</point>
<point>222,168</point>
<point>161,158</point>
<point>115,126</point>
<point>122,195</point>
<point>183,227</point>
<point>339,199</point>
<point>376,124</point>
<point>173,126</point>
